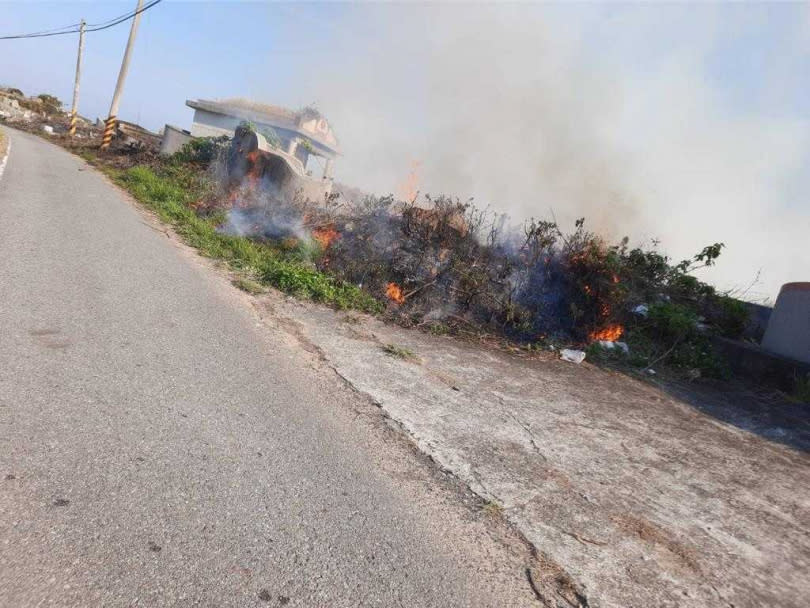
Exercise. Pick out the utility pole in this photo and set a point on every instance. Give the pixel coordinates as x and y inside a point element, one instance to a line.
<point>109,125</point>
<point>74,110</point>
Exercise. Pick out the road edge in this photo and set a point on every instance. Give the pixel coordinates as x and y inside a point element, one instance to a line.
<point>5,142</point>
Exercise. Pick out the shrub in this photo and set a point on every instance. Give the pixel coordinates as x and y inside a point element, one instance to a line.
<point>50,104</point>
<point>730,315</point>
<point>271,135</point>
<point>201,151</point>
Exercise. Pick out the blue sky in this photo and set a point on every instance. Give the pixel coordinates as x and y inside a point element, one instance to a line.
<point>685,123</point>
<point>184,50</point>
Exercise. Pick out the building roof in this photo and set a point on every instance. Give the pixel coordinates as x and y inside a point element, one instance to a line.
<point>307,122</point>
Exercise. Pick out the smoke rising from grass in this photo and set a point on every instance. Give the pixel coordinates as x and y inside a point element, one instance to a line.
<point>637,118</point>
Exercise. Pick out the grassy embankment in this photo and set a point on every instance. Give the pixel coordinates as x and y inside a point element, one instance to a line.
<point>171,191</point>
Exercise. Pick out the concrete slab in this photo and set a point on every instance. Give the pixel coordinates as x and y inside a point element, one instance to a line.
<point>643,498</point>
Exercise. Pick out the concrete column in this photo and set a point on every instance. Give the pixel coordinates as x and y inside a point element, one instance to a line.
<point>327,170</point>
<point>788,332</point>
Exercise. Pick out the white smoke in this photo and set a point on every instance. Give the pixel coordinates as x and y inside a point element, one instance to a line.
<point>608,113</point>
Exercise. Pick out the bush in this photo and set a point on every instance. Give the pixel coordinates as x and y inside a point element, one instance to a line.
<point>201,151</point>
<point>671,334</point>
<point>730,315</point>
<point>50,104</point>
<point>272,137</point>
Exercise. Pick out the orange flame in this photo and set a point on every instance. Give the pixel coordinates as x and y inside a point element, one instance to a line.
<point>325,235</point>
<point>253,171</point>
<point>408,189</point>
<point>611,333</point>
<point>394,293</point>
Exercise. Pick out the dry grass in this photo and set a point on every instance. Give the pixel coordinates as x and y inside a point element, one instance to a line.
<point>248,285</point>
<point>400,352</point>
<point>492,509</point>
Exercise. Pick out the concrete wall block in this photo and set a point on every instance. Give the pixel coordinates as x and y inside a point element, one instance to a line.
<point>788,332</point>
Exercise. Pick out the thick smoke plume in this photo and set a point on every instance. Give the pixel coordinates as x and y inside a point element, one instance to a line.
<point>613,114</point>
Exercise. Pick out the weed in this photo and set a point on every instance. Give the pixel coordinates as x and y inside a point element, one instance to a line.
<point>201,150</point>
<point>50,104</point>
<point>492,509</point>
<point>439,329</point>
<point>248,285</point>
<point>88,156</point>
<point>401,352</point>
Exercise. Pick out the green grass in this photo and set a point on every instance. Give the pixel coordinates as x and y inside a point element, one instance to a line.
<point>248,285</point>
<point>170,191</point>
<point>439,329</point>
<point>399,352</point>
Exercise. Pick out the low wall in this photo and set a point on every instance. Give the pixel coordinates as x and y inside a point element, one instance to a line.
<point>761,366</point>
<point>788,330</point>
<point>174,138</point>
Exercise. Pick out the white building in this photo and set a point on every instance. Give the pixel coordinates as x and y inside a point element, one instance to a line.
<point>304,134</point>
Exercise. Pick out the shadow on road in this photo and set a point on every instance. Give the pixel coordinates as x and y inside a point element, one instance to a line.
<point>765,412</point>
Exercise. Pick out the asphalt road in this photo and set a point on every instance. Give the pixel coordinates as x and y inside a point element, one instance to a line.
<point>158,447</point>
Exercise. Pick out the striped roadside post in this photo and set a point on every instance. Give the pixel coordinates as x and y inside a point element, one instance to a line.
<point>109,131</point>
<point>75,107</point>
<point>109,126</point>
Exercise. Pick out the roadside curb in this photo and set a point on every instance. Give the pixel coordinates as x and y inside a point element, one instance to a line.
<point>5,156</point>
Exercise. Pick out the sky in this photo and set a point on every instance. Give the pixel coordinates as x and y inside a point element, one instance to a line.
<point>687,124</point>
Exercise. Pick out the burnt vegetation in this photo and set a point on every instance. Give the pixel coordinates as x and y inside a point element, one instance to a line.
<point>452,267</point>
<point>442,264</point>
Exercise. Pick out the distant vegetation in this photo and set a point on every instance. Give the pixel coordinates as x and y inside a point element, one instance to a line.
<point>50,104</point>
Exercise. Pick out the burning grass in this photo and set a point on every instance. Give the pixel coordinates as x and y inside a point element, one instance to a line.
<point>439,263</point>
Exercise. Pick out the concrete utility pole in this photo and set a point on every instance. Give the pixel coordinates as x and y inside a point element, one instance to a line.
<point>109,125</point>
<point>75,108</point>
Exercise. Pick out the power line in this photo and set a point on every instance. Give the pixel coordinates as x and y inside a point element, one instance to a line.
<point>96,27</point>
<point>45,34</point>
<point>56,29</point>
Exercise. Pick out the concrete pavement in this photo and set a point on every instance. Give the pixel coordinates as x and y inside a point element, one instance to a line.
<point>160,447</point>
<point>689,495</point>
